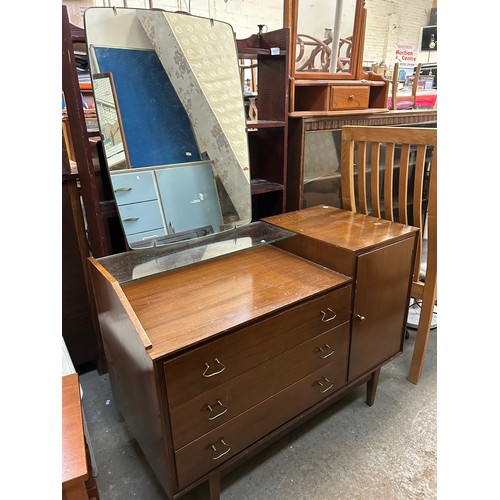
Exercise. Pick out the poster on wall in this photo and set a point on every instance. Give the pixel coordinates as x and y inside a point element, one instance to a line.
<point>406,56</point>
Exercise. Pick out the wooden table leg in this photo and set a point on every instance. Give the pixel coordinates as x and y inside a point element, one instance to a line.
<point>214,485</point>
<point>371,387</point>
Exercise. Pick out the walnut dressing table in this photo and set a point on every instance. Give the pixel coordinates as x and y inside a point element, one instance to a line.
<point>212,361</point>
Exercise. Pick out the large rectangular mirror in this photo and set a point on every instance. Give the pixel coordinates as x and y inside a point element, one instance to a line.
<point>326,35</point>
<point>181,169</point>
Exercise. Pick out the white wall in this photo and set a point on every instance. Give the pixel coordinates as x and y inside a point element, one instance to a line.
<point>389,22</point>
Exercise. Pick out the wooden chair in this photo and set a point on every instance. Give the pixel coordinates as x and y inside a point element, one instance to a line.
<point>391,173</point>
<point>410,102</point>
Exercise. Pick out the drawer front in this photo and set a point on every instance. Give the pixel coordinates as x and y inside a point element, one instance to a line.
<point>133,187</point>
<point>199,370</point>
<point>222,403</point>
<point>140,217</point>
<point>349,97</point>
<point>214,448</point>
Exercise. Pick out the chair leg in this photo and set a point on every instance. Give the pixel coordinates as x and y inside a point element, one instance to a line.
<point>421,340</point>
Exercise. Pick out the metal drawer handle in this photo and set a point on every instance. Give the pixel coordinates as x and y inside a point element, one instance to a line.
<point>326,313</point>
<point>131,219</point>
<point>324,356</point>
<point>210,410</point>
<point>322,385</point>
<point>216,457</point>
<point>207,375</point>
<point>123,189</point>
<point>360,317</point>
<point>351,97</point>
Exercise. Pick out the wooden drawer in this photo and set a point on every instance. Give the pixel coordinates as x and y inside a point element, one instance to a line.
<point>225,401</point>
<point>140,217</point>
<point>134,187</point>
<point>209,451</point>
<point>205,367</point>
<point>349,97</point>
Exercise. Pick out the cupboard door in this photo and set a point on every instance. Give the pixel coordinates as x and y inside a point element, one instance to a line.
<point>380,305</point>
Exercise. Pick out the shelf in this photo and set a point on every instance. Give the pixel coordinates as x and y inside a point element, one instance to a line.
<point>259,186</point>
<point>257,124</point>
<point>340,83</point>
<point>251,52</point>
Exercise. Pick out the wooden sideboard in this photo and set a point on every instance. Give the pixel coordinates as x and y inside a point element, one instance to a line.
<point>211,362</point>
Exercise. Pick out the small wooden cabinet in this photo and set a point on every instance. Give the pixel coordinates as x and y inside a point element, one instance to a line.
<point>211,362</point>
<point>378,255</point>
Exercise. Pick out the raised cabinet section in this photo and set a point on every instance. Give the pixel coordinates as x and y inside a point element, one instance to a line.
<point>379,256</point>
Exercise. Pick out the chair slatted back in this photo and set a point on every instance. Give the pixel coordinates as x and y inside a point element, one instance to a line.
<point>372,159</point>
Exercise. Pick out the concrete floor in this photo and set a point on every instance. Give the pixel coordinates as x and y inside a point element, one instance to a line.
<point>348,452</point>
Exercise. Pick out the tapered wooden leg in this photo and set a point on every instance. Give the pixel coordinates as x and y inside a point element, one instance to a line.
<point>214,485</point>
<point>421,338</point>
<point>371,387</point>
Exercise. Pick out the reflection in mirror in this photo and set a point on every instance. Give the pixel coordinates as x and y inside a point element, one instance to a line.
<point>177,90</point>
<point>325,36</point>
<point>322,152</point>
<point>110,122</point>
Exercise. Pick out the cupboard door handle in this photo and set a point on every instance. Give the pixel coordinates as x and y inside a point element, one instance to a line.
<point>123,189</point>
<point>327,355</point>
<point>210,410</point>
<point>207,368</point>
<point>360,317</point>
<point>216,457</point>
<point>131,219</point>
<point>322,385</point>
<point>326,313</point>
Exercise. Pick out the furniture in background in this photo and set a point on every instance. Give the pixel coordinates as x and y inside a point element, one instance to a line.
<point>80,328</point>
<point>98,209</point>
<point>77,482</point>
<point>206,376</point>
<point>397,189</point>
<point>268,135</point>
<point>325,64</point>
<point>414,99</point>
<point>314,151</point>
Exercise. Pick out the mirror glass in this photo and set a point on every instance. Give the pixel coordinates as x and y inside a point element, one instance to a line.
<point>325,36</point>
<point>171,114</point>
<point>110,122</point>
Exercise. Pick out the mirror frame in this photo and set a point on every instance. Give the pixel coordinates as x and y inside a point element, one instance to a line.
<point>290,20</point>
<point>109,77</point>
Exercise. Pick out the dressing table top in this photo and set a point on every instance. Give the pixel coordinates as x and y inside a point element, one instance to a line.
<point>189,305</point>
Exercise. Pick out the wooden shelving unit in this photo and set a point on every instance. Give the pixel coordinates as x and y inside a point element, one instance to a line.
<point>268,136</point>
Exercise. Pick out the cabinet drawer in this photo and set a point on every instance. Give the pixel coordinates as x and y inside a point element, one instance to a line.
<point>134,187</point>
<point>225,401</point>
<point>202,368</point>
<point>214,448</point>
<point>140,217</point>
<point>351,97</point>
